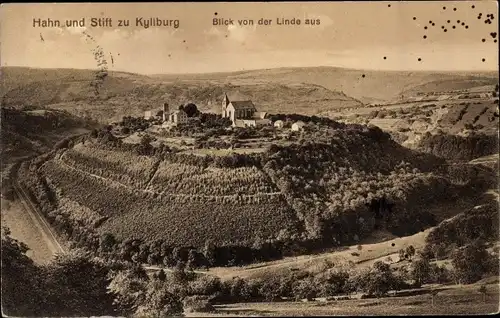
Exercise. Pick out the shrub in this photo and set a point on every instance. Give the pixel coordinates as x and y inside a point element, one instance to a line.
<point>205,285</point>
<point>439,275</point>
<point>159,302</point>
<point>197,304</point>
<point>305,289</point>
<point>334,283</point>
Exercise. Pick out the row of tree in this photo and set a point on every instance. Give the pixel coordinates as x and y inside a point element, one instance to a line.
<point>458,148</point>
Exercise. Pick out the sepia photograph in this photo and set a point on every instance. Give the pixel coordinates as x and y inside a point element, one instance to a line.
<point>249,159</point>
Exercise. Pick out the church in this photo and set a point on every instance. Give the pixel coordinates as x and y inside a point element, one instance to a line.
<point>243,113</point>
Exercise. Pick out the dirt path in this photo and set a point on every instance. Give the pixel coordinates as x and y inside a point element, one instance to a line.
<point>25,229</point>
<point>39,220</point>
<point>28,226</point>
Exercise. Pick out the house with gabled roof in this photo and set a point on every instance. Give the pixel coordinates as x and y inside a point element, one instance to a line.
<point>173,117</point>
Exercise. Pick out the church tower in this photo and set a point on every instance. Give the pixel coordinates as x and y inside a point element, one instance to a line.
<point>165,111</point>
<point>225,103</point>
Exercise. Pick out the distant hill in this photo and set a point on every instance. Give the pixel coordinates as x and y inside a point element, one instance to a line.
<point>485,84</point>
<point>308,90</point>
<point>124,94</point>
<point>374,87</point>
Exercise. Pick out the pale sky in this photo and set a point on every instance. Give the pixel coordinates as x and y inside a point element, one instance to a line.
<point>350,34</point>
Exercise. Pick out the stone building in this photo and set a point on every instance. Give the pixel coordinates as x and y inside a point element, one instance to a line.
<point>243,113</point>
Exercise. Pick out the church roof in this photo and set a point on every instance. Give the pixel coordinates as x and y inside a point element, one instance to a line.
<point>236,95</point>
<point>243,104</point>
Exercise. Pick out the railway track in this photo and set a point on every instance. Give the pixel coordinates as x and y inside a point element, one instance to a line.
<point>38,219</point>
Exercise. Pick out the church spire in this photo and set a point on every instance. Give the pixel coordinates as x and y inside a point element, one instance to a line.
<point>225,103</point>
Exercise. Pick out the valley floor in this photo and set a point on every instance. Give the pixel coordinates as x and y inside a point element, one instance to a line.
<point>451,300</point>
<point>368,254</point>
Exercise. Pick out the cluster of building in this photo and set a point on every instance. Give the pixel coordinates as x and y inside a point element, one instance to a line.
<point>169,117</point>
<point>242,113</point>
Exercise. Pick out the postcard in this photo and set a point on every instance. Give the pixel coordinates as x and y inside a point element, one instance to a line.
<point>249,159</point>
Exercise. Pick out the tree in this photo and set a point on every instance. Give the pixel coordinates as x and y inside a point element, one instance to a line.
<point>145,146</point>
<point>471,262</point>
<point>191,110</point>
<point>146,140</point>
<point>439,274</point>
<point>193,259</point>
<point>305,289</point>
<point>434,293</point>
<point>161,275</point>
<point>483,291</point>
<point>239,289</point>
<point>107,242</point>
<point>139,272</point>
<point>78,286</point>
<point>410,251</point>
<point>209,253</point>
<point>177,255</point>
<point>402,254</point>
<point>335,282</point>
<point>22,291</point>
<point>439,251</point>
<point>380,266</point>
<point>180,275</point>
<point>420,271</point>
<point>205,285</point>
<point>159,302</point>
<point>378,281</point>
<point>129,290</point>
<point>168,260</point>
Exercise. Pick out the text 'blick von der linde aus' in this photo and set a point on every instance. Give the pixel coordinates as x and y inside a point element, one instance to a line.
<point>264,21</point>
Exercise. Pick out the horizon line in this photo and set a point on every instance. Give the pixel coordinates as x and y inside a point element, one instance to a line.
<point>261,69</point>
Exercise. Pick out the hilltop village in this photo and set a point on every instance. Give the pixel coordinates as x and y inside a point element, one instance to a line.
<point>239,128</point>
<point>241,113</point>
